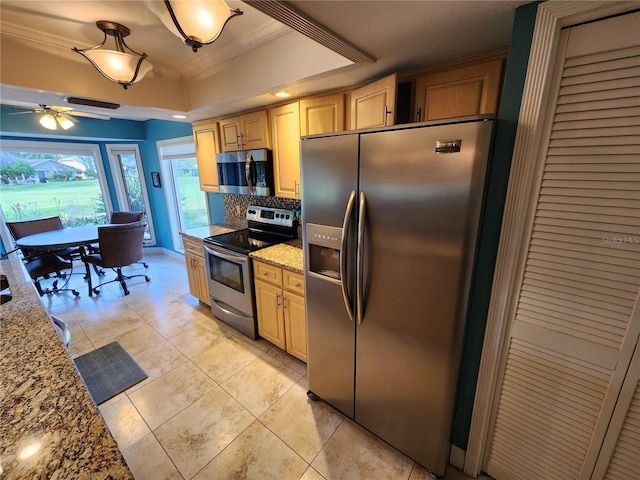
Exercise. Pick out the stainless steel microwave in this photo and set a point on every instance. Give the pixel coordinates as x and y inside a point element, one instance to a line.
<point>249,172</point>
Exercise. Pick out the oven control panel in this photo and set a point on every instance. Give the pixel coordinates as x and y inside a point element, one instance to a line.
<point>271,216</point>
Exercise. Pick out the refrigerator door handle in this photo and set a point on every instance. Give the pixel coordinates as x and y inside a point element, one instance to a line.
<point>360,260</point>
<point>343,253</point>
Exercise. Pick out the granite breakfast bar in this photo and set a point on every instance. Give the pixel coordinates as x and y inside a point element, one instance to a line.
<point>49,426</point>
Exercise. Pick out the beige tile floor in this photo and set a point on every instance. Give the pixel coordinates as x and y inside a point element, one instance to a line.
<point>216,405</point>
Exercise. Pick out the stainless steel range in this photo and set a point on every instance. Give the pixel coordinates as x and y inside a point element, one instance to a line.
<point>229,269</point>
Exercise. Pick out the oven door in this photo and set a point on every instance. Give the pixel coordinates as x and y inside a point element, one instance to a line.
<point>230,279</point>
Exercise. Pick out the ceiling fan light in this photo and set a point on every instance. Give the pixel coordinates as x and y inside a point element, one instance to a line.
<point>64,121</point>
<point>48,121</point>
<point>195,22</point>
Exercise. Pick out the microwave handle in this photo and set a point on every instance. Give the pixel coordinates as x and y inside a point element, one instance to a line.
<point>247,171</point>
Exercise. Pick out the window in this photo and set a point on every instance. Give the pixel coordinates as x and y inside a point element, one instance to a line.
<point>186,203</point>
<point>42,179</point>
<point>130,186</point>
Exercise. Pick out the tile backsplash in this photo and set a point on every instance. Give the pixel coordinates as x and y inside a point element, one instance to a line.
<point>235,206</point>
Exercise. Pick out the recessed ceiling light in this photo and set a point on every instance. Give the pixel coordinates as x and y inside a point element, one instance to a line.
<point>179,116</point>
<point>282,94</point>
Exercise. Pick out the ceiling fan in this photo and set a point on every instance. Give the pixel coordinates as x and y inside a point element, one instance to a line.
<point>53,115</point>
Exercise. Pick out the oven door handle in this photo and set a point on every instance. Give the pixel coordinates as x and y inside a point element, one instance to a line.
<point>226,256</point>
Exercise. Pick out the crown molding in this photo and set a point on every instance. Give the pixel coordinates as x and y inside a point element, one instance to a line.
<point>215,55</point>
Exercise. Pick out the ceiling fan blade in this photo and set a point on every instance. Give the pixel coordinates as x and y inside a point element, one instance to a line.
<point>98,116</point>
<point>67,116</point>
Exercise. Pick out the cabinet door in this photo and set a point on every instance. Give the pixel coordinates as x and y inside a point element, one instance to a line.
<point>322,114</point>
<point>269,307</point>
<point>459,92</point>
<point>374,105</point>
<point>230,134</point>
<point>200,280</point>
<point>254,130</point>
<point>295,325</point>
<point>285,130</point>
<point>205,136</point>
<point>197,277</point>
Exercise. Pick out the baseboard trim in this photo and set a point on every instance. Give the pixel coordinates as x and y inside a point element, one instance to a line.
<point>457,456</point>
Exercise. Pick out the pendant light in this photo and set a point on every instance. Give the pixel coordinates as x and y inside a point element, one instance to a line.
<point>123,65</point>
<point>195,22</point>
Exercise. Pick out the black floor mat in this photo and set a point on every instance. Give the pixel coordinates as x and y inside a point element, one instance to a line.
<point>108,371</point>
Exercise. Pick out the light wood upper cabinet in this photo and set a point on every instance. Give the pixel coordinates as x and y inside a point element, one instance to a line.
<point>322,114</point>
<point>245,132</point>
<point>285,133</point>
<point>374,104</point>
<point>459,92</point>
<point>206,138</point>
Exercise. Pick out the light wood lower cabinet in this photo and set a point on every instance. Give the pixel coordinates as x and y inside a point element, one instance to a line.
<point>281,308</point>
<point>196,269</point>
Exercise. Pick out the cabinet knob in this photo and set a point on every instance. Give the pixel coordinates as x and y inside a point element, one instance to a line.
<point>297,284</point>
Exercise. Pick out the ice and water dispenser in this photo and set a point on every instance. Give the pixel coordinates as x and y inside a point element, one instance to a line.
<point>323,243</point>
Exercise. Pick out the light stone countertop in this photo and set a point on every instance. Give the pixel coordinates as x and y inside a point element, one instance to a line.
<point>207,231</point>
<point>282,255</point>
<point>43,401</point>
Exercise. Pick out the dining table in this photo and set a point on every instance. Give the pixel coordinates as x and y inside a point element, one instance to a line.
<point>59,239</point>
<point>72,237</point>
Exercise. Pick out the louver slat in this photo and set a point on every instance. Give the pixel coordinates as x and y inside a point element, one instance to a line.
<point>625,462</point>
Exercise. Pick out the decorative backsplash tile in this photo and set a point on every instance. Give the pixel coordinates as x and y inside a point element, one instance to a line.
<point>235,206</point>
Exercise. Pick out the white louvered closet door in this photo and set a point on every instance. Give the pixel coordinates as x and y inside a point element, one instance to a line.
<point>576,321</point>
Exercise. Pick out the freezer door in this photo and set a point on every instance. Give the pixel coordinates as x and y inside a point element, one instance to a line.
<point>421,219</point>
<point>329,176</point>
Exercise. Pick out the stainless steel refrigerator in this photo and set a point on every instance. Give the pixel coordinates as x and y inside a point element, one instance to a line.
<point>390,219</point>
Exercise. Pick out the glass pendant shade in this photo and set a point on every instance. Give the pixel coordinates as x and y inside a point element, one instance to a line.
<point>118,67</point>
<point>123,65</point>
<point>195,22</point>
<point>48,121</point>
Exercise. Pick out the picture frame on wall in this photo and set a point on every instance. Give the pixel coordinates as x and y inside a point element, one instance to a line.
<point>155,179</point>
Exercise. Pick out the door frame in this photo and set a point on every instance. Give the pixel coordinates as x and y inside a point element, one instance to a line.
<point>113,150</point>
<point>551,18</point>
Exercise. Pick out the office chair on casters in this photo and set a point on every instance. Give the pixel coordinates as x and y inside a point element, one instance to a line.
<point>127,217</point>
<point>119,218</point>
<point>120,246</point>
<point>44,264</point>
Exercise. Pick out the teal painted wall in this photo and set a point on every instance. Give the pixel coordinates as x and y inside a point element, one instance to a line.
<point>15,122</point>
<point>154,131</point>
<point>19,126</point>
<point>498,176</point>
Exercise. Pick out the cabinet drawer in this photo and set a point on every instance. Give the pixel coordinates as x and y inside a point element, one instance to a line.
<point>268,273</point>
<point>193,246</point>
<point>292,281</point>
